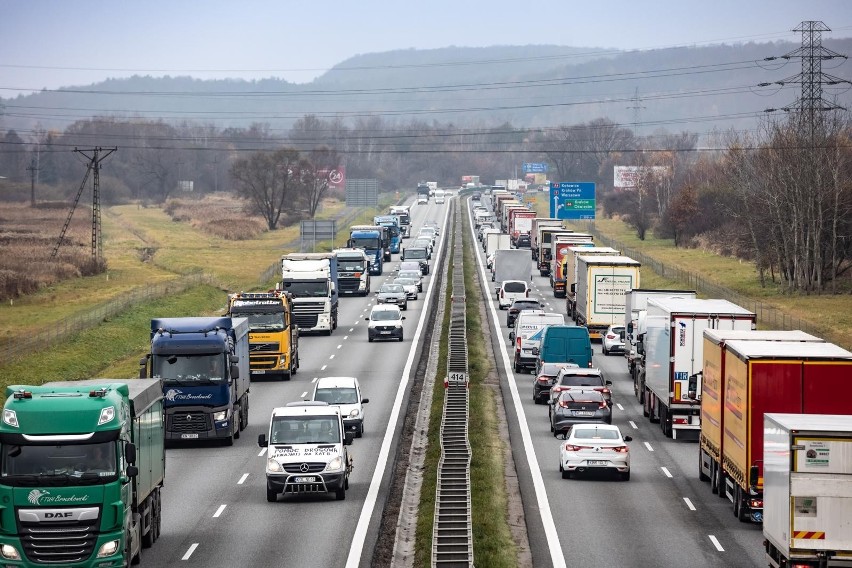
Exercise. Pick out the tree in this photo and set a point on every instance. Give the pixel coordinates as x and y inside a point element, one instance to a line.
<point>314,175</point>
<point>267,181</point>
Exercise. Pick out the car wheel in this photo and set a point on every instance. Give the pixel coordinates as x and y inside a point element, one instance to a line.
<point>370,339</point>
<point>271,495</point>
<point>400,339</point>
<point>405,306</point>
<point>340,494</point>
<point>360,431</point>
<point>566,474</point>
<point>625,476</point>
<point>604,351</point>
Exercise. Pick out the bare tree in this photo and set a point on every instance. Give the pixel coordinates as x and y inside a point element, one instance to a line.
<point>268,182</point>
<point>314,174</point>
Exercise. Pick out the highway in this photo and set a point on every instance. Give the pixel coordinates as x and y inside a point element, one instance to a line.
<point>215,512</point>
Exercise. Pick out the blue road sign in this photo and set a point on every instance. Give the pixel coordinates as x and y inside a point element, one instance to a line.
<point>572,200</point>
<point>535,168</point>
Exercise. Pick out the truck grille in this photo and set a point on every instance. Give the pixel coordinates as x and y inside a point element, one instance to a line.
<point>264,362</point>
<point>306,321</point>
<point>306,313</point>
<point>348,284</point>
<point>312,467</point>
<point>263,347</point>
<point>61,542</point>
<point>189,422</point>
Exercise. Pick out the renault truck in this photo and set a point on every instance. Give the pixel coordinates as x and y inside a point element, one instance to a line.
<point>82,472</point>
<point>273,333</point>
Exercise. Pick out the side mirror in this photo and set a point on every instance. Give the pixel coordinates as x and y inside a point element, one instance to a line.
<point>640,348</point>
<point>365,400</point>
<point>753,475</point>
<point>630,327</point>
<point>143,367</point>
<point>235,372</point>
<point>627,438</point>
<point>130,452</point>
<point>348,437</point>
<point>132,471</point>
<point>261,440</point>
<point>403,317</point>
<point>564,435</point>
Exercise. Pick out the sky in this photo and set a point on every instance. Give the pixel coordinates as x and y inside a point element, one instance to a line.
<point>50,44</point>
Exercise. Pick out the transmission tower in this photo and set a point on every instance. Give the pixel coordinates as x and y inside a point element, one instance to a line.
<point>33,169</point>
<point>636,107</point>
<point>94,168</point>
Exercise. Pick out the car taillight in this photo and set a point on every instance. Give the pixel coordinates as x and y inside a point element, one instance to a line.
<point>610,336</point>
<point>555,390</point>
<point>573,448</point>
<point>603,404</point>
<point>755,503</point>
<point>519,342</point>
<point>543,379</point>
<point>621,449</point>
<point>603,390</point>
<point>501,292</point>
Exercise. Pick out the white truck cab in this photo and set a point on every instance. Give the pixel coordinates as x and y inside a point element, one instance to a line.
<point>307,450</point>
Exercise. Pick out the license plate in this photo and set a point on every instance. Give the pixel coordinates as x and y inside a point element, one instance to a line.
<point>597,462</point>
<point>261,372</point>
<point>583,413</point>
<point>305,479</point>
<point>385,332</point>
<point>189,436</point>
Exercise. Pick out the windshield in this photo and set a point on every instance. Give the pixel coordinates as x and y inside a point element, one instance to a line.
<point>312,289</point>
<point>351,265</point>
<point>406,281</point>
<point>305,430</point>
<point>385,315</point>
<point>337,395</point>
<point>391,289</point>
<point>58,465</point>
<point>410,274</point>
<point>365,243</point>
<point>414,253</point>
<point>263,321</point>
<point>182,369</point>
<point>392,229</point>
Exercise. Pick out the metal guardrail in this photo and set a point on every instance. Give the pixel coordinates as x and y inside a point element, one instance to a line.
<point>452,534</point>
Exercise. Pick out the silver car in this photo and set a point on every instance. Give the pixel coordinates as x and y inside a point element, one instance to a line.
<point>392,294</point>
<point>414,275</point>
<point>409,285</point>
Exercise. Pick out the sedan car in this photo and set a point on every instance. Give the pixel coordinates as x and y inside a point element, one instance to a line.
<point>419,254</point>
<point>545,379</point>
<point>424,242</point>
<point>392,294</point>
<point>414,275</point>
<point>385,323</point>
<point>613,340</point>
<point>409,285</point>
<point>520,305</point>
<point>578,407</point>
<point>580,378</point>
<point>594,447</point>
<point>344,392</point>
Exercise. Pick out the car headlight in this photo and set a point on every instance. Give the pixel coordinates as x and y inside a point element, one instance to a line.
<point>221,416</point>
<point>336,464</point>
<point>355,413</point>
<point>107,549</point>
<point>272,466</point>
<point>9,552</point>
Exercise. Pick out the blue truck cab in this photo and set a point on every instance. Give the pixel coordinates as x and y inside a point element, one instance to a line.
<point>204,365</point>
<point>394,232</point>
<point>369,238</point>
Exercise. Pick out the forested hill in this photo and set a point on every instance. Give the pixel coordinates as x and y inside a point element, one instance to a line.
<point>691,88</point>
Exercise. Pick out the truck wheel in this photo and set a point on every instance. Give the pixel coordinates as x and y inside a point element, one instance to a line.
<point>271,495</point>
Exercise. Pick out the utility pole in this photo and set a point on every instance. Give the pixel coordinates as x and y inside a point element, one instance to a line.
<point>32,168</point>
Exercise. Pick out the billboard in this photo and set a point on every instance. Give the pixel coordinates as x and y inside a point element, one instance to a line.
<point>336,177</point>
<point>627,177</point>
<point>572,200</point>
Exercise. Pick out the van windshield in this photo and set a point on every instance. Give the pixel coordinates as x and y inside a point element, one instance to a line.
<point>305,430</point>
<point>337,395</point>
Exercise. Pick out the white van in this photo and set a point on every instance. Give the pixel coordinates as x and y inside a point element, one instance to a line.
<point>344,392</point>
<point>307,450</point>
<point>511,290</point>
<point>439,196</point>
<point>525,337</point>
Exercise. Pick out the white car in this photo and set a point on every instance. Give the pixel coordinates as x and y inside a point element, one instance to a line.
<point>385,323</point>
<point>409,285</point>
<point>430,232</point>
<point>594,447</point>
<point>344,392</point>
<point>511,290</point>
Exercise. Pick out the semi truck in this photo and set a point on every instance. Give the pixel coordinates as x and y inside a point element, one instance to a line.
<point>673,347</point>
<point>353,271</point>
<point>538,224</point>
<point>545,254</point>
<point>404,214</point>
<point>311,279</point>
<point>772,376</point>
<point>423,193</point>
<point>520,223</point>
<point>559,249</point>
<point>808,490</point>
<point>602,282</point>
<point>203,363</point>
<point>82,472</point>
<point>370,238</point>
<point>394,232</point>
<point>273,333</point>
<point>496,241</point>
<point>569,271</point>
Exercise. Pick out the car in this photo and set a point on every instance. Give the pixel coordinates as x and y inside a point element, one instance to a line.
<point>520,305</point>
<point>414,275</point>
<point>385,323</point>
<point>489,261</point>
<point>578,407</point>
<point>523,241</point>
<point>393,293</point>
<point>419,254</point>
<point>344,392</point>
<point>432,225</point>
<point>594,447</point>
<point>409,285</point>
<point>426,243</point>
<point>511,290</point>
<point>430,232</point>
<point>580,378</point>
<point>544,380</point>
<point>476,196</point>
<point>613,340</point>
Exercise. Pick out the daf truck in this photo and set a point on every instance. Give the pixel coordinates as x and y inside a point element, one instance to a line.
<point>311,279</point>
<point>273,333</point>
<point>82,472</point>
<point>203,363</point>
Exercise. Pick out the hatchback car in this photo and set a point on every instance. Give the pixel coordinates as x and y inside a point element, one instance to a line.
<point>385,323</point>
<point>520,305</point>
<point>392,294</point>
<point>430,232</point>
<point>578,407</point>
<point>414,275</point>
<point>409,285</point>
<point>523,241</point>
<point>594,447</point>
<point>344,392</point>
<point>580,378</point>
<point>545,379</point>
<point>613,340</point>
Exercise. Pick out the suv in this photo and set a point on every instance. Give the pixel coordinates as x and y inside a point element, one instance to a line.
<point>545,379</point>
<point>345,393</point>
<point>385,323</point>
<point>580,378</point>
<point>307,450</point>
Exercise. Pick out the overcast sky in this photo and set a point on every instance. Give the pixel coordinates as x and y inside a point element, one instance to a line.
<point>54,43</point>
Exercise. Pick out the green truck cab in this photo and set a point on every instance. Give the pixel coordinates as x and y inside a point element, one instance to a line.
<point>82,465</point>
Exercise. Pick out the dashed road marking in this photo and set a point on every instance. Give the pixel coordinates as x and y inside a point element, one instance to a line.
<point>331,356</point>
<point>189,552</point>
<point>667,472</point>
<point>619,406</point>
<point>633,424</point>
<point>315,378</point>
<point>262,451</point>
<point>242,479</point>
<point>715,542</point>
<point>219,511</point>
<point>648,445</point>
<point>323,367</point>
<point>345,337</point>
<point>689,503</point>
<point>341,345</point>
<point>304,394</point>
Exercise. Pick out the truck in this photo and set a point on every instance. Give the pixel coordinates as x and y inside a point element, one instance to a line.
<point>496,241</point>
<point>82,472</point>
<point>404,214</point>
<point>635,304</point>
<point>423,193</point>
<point>673,348</point>
<point>539,223</point>
<point>394,231</point>
<point>545,253</point>
<point>353,271</point>
<point>569,271</point>
<point>510,264</point>
<point>273,333</point>
<point>203,363</point>
<point>808,490</point>
<point>370,239</point>
<point>796,377</point>
<point>311,279</point>
<point>602,282</point>
<point>505,208</point>
<point>713,385</point>
<point>520,223</point>
<point>559,248</point>
<point>525,337</point>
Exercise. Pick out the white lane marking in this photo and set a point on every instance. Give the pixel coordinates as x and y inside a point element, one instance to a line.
<point>315,378</point>
<point>242,479</point>
<point>304,394</point>
<point>619,406</point>
<point>219,511</point>
<point>666,471</point>
<point>360,536</point>
<point>345,337</point>
<point>262,451</point>
<point>633,424</point>
<point>189,552</point>
<point>689,503</point>
<point>647,445</point>
<point>331,356</point>
<point>351,329</point>
<point>341,345</point>
<point>323,367</point>
<point>715,542</point>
